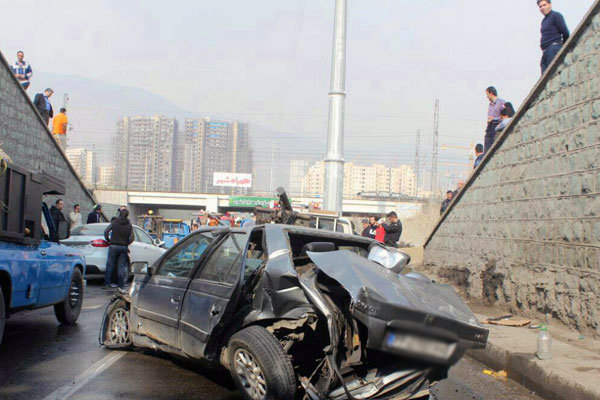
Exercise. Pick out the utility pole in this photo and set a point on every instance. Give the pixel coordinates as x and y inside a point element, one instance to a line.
<point>434,158</point>
<point>417,147</point>
<point>65,100</point>
<point>334,160</point>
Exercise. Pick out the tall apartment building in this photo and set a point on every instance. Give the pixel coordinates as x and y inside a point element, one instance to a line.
<point>144,153</point>
<point>84,162</point>
<point>363,178</point>
<point>214,146</point>
<point>298,170</point>
<point>106,177</point>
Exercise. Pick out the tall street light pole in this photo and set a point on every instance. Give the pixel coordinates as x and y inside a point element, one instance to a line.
<point>334,160</point>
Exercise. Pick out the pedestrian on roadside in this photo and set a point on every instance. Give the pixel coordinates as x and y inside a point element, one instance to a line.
<point>379,231</point>
<point>59,128</point>
<point>22,70</point>
<point>446,202</point>
<point>493,118</point>
<point>56,212</point>
<point>459,187</point>
<point>43,106</point>
<point>393,230</point>
<point>75,217</point>
<point>95,217</point>
<point>119,234</point>
<point>373,226</point>
<point>478,155</point>
<point>366,232</point>
<point>554,33</point>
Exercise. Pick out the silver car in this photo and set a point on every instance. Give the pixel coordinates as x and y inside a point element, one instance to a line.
<point>89,240</point>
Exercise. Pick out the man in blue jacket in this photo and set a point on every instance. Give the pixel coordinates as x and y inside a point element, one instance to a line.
<point>554,32</point>
<point>22,70</point>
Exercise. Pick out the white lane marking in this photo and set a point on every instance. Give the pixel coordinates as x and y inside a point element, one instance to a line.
<point>68,390</point>
<point>92,307</point>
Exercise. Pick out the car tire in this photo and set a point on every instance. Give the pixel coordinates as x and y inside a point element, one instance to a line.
<point>2,315</point>
<point>68,311</point>
<point>116,332</point>
<point>260,367</point>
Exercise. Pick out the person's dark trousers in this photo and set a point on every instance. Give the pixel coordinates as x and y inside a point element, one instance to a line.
<point>549,53</point>
<point>490,135</point>
<point>117,255</point>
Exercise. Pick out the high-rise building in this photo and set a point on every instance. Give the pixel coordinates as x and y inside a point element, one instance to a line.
<point>298,170</point>
<point>84,162</point>
<point>144,153</point>
<point>106,176</point>
<point>375,178</point>
<point>214,146</point>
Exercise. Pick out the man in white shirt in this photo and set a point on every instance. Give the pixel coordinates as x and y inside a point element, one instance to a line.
<point>75,217</point>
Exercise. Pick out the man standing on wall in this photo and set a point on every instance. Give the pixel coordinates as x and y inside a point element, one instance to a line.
<point>22,70</point>
<point>43,106</point>
<point>554,32</point>
<point>493,119</point>
<point>59,128</point>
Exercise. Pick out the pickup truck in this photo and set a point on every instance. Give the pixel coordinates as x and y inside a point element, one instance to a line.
<point>36,270</point>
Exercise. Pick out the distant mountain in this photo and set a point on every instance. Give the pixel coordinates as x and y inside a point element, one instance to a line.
<point>95,106</point>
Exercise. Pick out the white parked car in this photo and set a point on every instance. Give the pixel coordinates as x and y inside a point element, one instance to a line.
<point>89,240</point>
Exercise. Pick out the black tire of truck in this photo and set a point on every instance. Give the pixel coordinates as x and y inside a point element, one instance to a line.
<point>116,328</point>
<point>68,311</point>
<point>260,367</point>
<point>2,315</point>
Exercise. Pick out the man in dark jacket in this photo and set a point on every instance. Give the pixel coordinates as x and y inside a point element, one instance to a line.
<point>368,230</point>
<point>94,217</point>
<point>554,33</point>
<point>393,230</point>
<point>43,106</point>
<point>447,201</point>
<point>118,252</point>
<point>56,212</point>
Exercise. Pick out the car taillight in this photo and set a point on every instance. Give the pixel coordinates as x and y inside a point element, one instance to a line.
<point>99,243</point>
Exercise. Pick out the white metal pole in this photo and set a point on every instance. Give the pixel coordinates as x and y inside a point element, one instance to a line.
<point>334,160</point>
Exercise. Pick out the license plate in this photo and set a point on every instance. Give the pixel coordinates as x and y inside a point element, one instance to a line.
<point>418,344</point>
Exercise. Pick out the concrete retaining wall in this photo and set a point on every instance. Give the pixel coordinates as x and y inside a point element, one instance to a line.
<point>525,231</point>
<point>29,143</point>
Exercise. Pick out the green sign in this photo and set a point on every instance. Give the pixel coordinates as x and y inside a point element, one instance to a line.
<point>250,202</point>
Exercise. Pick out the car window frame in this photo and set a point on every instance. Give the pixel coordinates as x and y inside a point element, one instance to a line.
<point>194,270</point>
<point>139,233</point>
<point>216,246</point>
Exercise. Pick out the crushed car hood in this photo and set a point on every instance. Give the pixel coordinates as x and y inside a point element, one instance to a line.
<point>357,275</point>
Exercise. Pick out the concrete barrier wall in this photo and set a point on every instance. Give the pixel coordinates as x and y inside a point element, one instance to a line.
<point>28,142</point>
<point>525,231</point>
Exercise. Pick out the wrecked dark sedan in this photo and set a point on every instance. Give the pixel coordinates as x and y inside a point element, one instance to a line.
<point>295,312</point>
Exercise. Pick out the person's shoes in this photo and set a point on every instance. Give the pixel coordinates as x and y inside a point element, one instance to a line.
<point>113,285</point>
<point>105,287</point>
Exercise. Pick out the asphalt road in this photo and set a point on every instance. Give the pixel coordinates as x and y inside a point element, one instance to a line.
<point>39,359</point>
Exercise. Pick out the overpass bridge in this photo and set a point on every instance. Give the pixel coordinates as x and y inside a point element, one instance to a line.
<point>172,204</point>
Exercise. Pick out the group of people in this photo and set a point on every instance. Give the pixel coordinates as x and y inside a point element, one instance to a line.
<point>385,232</point>
<point>75,219</point>
<point>23,72</point>
<point>451,194</point>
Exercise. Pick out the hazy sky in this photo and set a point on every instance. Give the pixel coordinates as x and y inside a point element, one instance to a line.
<point>267,61</point>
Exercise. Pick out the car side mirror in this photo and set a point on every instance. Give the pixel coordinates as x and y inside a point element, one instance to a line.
<point>63,231</point>
<point>139,267</point>
<point>159,243</point>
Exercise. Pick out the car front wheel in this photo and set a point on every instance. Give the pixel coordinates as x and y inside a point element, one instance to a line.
<point>260,367</point>
<point>68,311</point>
<point>117,330</point>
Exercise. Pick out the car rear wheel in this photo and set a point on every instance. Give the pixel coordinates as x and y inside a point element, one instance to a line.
<point>68,311</point>
<point>260,367</point>
<point>2,315</point>
<point>117,329</point>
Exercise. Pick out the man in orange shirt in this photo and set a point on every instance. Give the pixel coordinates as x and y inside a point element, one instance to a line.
<point>59,128</point>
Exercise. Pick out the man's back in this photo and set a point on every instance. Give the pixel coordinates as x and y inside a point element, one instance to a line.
<point>121,232</point>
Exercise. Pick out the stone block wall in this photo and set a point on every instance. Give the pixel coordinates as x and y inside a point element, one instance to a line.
<point>29,143</point>
<point>525,231</point>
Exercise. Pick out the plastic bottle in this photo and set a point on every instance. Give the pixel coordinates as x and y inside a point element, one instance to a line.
<point>544,344</point>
